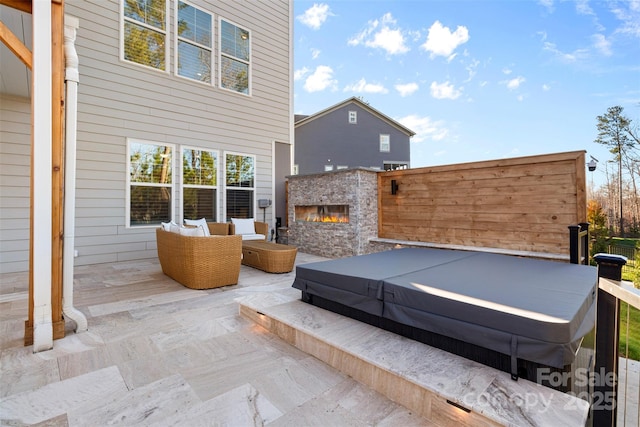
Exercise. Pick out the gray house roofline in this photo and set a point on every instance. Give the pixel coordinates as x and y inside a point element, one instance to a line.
<point>353,100</point>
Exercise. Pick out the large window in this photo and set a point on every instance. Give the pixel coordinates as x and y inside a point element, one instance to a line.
<point>145,32</point>
<point>240,185</point>
<point>235,57</point>
<point>194,42</point>
<point>149,182</point>
<point>199,184</point>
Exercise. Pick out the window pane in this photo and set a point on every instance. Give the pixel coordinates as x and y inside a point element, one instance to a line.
<point>150,205</point>
<point>194,62</point>
<point>150,12</point>
<point>234,75</point>
<point>240,171</point>
<point>199,168</point>
<point>200,203</point>
<point>150,163</point>
<point>239,203</point>
<point>234,41</point>
<point>144,46</point>
<point>194,24</point>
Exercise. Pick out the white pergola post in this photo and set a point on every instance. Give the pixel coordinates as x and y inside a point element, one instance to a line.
<point>42,179</point>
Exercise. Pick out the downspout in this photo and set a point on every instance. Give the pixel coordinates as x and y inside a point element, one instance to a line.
<point>71,77</point>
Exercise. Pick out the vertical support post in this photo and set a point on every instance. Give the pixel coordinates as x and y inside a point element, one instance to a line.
<point>574,246</point>
<point>607,340</point>
<point>584,242</point>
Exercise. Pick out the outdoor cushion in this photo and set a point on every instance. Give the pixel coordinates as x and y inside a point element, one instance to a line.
<point>253,236</point>
<point>192,231</point>
<point>244,225</point>
<point>202,222</point>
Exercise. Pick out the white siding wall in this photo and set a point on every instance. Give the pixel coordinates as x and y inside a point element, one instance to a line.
<point>119,100</point>
<point>15,147</point>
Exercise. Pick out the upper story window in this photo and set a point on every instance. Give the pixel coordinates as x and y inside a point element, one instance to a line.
<point>235,57</point>
<point>194,42</point>
<point>328,168</point>
<point>149,183</point>
<point>145,32</point>
<point>385,144</point>
<point>353,117</point>
<point>200,183</point>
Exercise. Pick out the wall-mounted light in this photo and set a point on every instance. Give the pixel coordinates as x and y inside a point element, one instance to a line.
<point>394,186</point>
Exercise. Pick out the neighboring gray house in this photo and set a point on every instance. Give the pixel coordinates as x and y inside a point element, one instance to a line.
<point>350,134</point>
<point>182,107</point>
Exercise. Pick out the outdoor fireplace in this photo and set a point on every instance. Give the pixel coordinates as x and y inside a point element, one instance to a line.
<point>322,213</point>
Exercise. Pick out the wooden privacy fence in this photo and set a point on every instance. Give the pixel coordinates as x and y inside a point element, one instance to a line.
<point>520,204</point>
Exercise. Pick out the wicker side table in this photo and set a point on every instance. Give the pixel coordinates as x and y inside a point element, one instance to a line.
<point>267,256</point>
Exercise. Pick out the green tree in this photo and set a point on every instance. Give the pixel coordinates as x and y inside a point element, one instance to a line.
<point>597,227</point>
<point>614,130</point>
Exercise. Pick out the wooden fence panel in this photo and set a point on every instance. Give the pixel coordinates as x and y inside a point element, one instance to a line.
<point>520,204</point>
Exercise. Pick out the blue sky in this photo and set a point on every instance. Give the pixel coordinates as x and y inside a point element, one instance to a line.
<point>476,80</point>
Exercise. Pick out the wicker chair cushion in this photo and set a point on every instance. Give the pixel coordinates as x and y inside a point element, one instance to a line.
<point>244,225</point>
<point>192,231</point>
<point>202,222</point>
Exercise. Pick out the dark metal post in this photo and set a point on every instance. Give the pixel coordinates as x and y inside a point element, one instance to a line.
<point>607,339</point>
<point>584,241</point>
<point>574,244</point>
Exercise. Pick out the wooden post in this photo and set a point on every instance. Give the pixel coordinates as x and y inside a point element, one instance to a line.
<point>57,183</point>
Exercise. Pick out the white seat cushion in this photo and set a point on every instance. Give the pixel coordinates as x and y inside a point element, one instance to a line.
<point>192,231</point>
<point>202,222</point>
<point>253,236</point>
<point>244,225</point>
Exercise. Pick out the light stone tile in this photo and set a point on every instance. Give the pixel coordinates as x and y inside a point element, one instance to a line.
<point>241,406</point>
<point>223,375</point>
<point>75,364</point>
<point>319,412</point>
<point>164,298</point>
<point>130,349</point>
<point>25,373</point>
<point>148,405</point>
<point>61,397</point>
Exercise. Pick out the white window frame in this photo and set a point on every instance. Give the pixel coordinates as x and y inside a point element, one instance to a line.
<point>178,39</point>
<point>353,117</point>
<point>295,170</point>
<point>166,32</point>
<point>183,185</point>
<point>385,143</point>
<point>225,187</point>
<point>328,168</point>
<point>340,167</point>
<point>246,62</point>
<point>172,185</point>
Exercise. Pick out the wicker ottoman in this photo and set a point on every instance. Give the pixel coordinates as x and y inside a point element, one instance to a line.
<point>269,257</point>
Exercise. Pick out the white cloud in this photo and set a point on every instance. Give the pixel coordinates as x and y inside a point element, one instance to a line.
<point>506,71</point>
<point>546,87</point>
<point>471,69</point>
<point>601,43</point>
<point>574,56</point>
<point>442,42</point>
<point>381,34</point>
<point>315,16</point>
<point>515,83</point>
<point>406,89</point>
<point>299,74</point>
<point>444,91</point>
<point>321,79</point>
<point>363,87</point>
<point>630,18</point>
<point>425,128</point>
<point>315,53</point>
<point>548,4</point>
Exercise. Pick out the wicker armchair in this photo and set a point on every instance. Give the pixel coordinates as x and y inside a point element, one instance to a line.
<point>200,262</point>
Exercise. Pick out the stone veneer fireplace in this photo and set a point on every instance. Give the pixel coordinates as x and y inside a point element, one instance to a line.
<point>333,214</point>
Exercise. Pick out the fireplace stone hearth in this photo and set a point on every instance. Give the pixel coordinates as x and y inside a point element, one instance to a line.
<point>351,193</point>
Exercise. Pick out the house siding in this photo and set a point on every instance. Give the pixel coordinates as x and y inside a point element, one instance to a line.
<point>119,100</point>
<point>331,139</point>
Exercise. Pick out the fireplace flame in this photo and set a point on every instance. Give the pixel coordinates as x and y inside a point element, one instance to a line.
<point>326,218</point>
